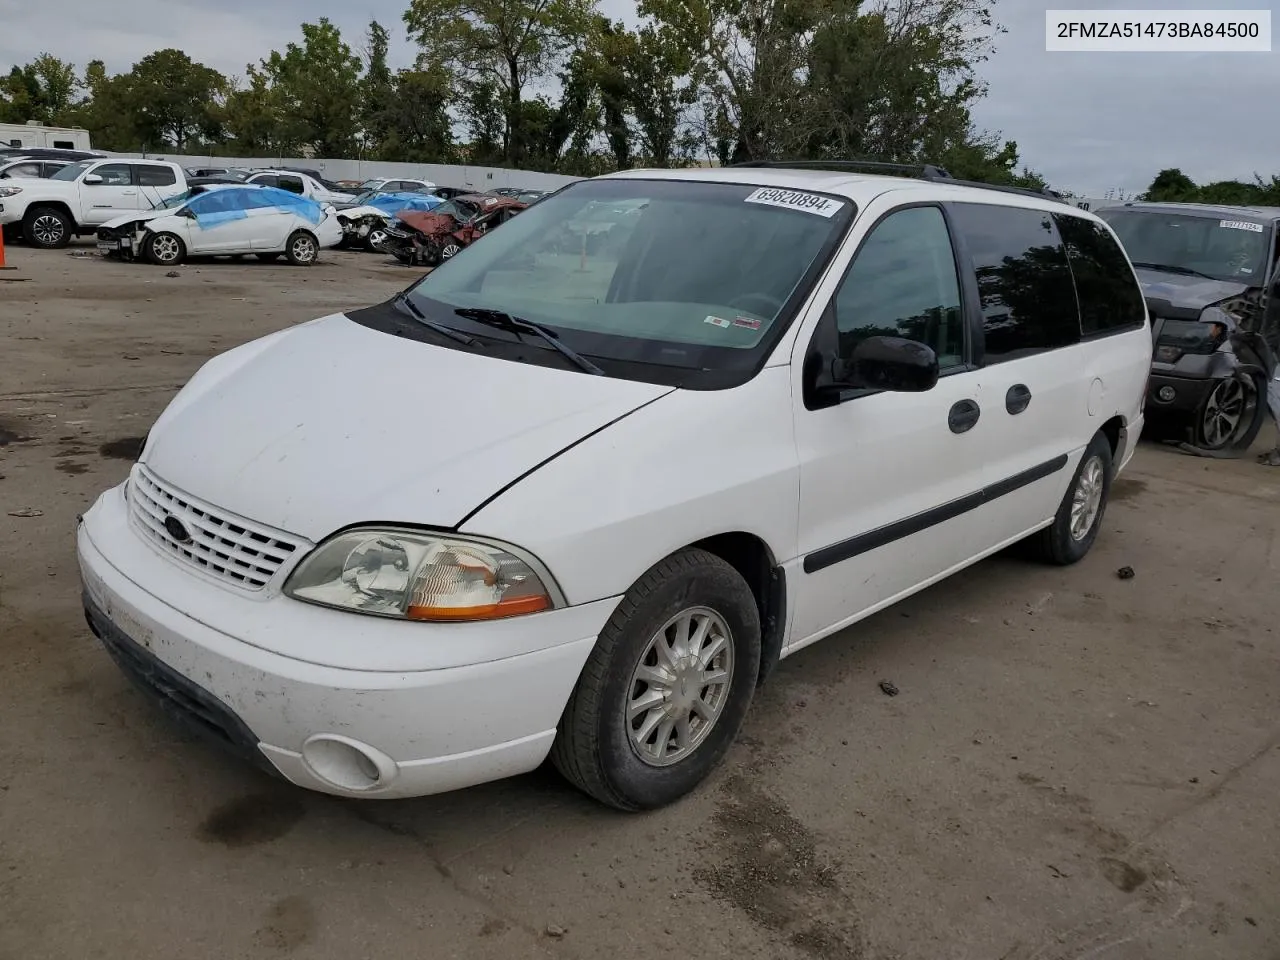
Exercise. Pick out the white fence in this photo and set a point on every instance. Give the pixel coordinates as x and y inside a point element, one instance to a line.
<point>446,175</point>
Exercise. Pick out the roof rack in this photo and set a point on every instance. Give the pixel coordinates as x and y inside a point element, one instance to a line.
<point>922,171</point>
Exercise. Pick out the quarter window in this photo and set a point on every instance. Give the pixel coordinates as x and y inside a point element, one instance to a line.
<point>902,283</point>
<point>1024,282</point>
<point>1109,295</point>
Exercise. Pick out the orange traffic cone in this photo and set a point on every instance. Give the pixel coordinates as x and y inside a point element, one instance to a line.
<point>2,264</point>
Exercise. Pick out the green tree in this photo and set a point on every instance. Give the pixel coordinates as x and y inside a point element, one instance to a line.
<point>102,112</point>
<point>316,90</point>
<point>174,101</point>
<point>416,118</point>
<point>1172,184</point>
<point>377,94</point>
<point>44,90</point>
<point>506,45</point>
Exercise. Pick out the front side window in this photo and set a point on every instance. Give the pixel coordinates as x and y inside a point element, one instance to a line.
<point>115,174</point>
<point>1193,244</point>
<point>902,283</point>
<point>1024,282</point>
<point>1110,297</point>
<point>150,176</point>
<point>684,282</point>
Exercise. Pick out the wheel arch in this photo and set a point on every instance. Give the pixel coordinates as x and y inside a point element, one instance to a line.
<point>60,205</point>
<point>754,560</point>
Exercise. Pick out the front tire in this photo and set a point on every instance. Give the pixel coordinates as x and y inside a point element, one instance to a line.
<point>165,249</point>
<point>301,249</point>
<point>1079,516</point>
<point>374,240</point>
<point>48,228</point>
<point>666,687</point>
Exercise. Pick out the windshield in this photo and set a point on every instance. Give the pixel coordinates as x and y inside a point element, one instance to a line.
<point>1232,249</point>
<point>177,201</point>
<point>371,185</point>
<point>687,275</point>
<point>72,170</point>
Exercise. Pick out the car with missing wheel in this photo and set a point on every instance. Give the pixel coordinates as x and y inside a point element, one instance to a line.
<point>218,220</point>
<point>540,504</point>
<point>1211,278</point>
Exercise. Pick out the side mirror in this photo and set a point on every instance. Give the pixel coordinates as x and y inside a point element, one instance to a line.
<point>888,363</point>
<point>92,178</point>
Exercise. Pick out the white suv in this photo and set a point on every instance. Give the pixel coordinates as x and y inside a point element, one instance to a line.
<point>578,498</point>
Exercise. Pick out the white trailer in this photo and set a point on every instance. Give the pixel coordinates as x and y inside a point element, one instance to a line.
<point>33,133</point>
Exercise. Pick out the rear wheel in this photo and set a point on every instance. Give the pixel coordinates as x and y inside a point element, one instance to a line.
<point>165,249</point>
<point>1079,516</point>
<point>47,227</point>
<point>666,687</point>
<point>301,249</point>
<point>449,250</point>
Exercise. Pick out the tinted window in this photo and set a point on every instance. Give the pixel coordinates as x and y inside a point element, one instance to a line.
<point>1028,300</point>
<point>115,174</point>
<point>149,176</point>
<point>902,283</point>
<point>292,184</point>
<point>266,179</point>
<point>1109,296</point>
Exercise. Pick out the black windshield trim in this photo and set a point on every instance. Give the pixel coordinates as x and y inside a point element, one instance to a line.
<point>647,370</point>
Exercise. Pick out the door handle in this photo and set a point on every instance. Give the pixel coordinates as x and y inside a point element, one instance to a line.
<point>964,414</point>
<point>1017,399</point>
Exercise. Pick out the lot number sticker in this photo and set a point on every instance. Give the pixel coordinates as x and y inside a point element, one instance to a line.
<point>1241,225</point>
<point>796,200</point>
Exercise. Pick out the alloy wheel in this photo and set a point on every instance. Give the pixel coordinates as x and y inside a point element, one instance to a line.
<point>165,249</point>
<point>1223,413</point>
<point>1086,499</point>
<point>47,230</point>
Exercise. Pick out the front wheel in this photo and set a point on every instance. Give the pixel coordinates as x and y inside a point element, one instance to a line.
<point>374,240</point>
<point>666,687</point>
<point>301,249</point>
<point>165,249</point>
<point>47,227</point>
<point>1079,516</point>
<point>1231,414</point>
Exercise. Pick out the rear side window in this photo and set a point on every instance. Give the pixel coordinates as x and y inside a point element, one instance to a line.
<point>149,176</point>
<point>266,179</point>
<point>1024,282</point>
<point>1109,295</point>
<point>292,184</point>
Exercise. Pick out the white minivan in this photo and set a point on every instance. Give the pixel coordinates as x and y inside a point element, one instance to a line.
<point>577,499</point>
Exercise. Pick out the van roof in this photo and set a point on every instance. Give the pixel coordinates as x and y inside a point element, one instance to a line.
<point>1205,209</point>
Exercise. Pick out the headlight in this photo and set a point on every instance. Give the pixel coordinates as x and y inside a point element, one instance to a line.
<point>416,575</point>
<point>10,191</point>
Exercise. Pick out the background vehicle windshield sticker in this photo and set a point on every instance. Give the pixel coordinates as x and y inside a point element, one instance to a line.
<point>1241,225</point>
<point>796,200</point>
<point>748,322</point>
<point>717,322</point>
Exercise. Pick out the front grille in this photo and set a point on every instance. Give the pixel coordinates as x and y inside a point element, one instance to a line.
<point>234,550</point>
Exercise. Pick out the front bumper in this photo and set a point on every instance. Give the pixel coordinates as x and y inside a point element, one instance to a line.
<point>1188,394</point>
<point>362,733</point>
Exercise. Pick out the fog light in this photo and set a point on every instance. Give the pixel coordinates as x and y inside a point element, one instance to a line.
<point>1166,394</point>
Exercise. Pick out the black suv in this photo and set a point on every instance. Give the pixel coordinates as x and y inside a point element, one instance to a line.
<point>1211,278</point>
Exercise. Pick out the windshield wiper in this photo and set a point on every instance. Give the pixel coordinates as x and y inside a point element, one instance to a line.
<point>402,301</point>
<point>1170,268</point>
<point>518,325</point>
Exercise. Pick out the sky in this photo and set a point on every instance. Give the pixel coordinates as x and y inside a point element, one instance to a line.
<point>1088,122</point>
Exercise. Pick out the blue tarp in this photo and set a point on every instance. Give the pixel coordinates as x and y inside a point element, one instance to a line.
<point>401,202</point>
<point>234,203</point>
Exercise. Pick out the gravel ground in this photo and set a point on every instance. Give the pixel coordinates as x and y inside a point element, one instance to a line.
<point>1076,765</point>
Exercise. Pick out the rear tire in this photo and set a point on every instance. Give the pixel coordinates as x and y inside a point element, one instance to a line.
<point>1079,516</point>
<point>165,249</point>
<point>48,228</point>
<point>301,249</point>
<point>666,687</point>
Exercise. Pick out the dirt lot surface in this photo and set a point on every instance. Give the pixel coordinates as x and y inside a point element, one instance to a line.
<point>1077,765</point>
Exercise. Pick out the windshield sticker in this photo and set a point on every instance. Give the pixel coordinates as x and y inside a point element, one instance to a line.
<point>718,322</point>
<point>747,322</point>
<point>796,200</point>
<point>1241,225</point>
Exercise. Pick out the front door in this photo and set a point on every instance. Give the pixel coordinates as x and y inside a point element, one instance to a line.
<point>890,483</point>
<point>116,194</point>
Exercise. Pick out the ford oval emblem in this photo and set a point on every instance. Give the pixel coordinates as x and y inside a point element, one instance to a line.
<point>176,529</point>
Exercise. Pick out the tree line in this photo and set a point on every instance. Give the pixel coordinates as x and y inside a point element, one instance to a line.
<point>1174,186</point>
<point>554,85</point>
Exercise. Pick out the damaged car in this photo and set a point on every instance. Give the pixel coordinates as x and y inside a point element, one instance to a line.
<point>1211,278</point>
<point>225,220</point>
<point>365,220</point>
<point>431,238</point>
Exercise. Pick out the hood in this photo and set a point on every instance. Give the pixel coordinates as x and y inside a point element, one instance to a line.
<point>137,216</point>
<point>429,224</point>
<point>352,212</point>
<point>332,423</point>
<point>1185,293</point>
